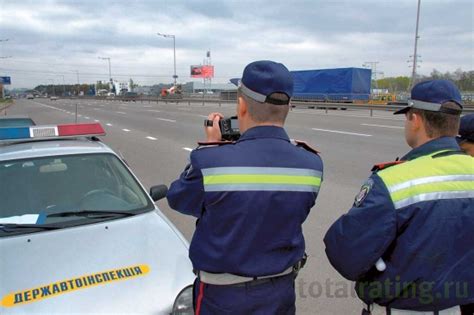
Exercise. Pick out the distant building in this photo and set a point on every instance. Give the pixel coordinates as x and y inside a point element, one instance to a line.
<point>121,87</point>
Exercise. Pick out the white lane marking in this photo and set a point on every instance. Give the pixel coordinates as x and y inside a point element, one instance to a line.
<point>97,109</point>
<point>153,110</point>
<point>343,132</point>
<point>383,126</point>
<point>126,130</point>
<point>110,125</point>
<point>187,149</point>
<point>87,117</point>
<point>52,107</point>
<point>121,113</point>
<point>203,116</point>
<point>164,119</point>
<point>184,108</point>
<point>151,138</point>
<point>147,106</point>
<point>96,120</point>
<point>79,115</point>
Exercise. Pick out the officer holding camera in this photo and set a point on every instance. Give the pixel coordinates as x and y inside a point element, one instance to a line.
<point>251,197</point>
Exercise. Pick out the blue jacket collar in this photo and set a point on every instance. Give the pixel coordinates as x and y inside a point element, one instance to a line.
<point>264,132</point>
<point>439,144</point>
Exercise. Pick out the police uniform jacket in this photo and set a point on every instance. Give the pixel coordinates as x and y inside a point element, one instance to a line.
<point>419,217</point>
<point>251,198</point>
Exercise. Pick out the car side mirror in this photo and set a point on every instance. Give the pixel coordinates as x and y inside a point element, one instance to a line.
<point>158,192</point>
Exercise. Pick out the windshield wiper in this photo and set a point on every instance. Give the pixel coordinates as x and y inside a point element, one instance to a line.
<point>95,214</point>
<point>12,227</point>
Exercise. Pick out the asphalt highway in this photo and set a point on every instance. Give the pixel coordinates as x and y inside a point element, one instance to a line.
<point>155,139</point>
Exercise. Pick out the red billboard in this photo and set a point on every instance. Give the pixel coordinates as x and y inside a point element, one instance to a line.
<point>202,71</point>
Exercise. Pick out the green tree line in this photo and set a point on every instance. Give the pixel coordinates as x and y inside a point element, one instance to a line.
<point>463,79</point>
<point>70,89</point>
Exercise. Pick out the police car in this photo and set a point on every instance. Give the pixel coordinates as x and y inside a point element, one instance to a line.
<point>79,233</point>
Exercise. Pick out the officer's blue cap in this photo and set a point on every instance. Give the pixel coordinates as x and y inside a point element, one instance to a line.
<point>263,78</point>
<point>430,95</point>
<point>466,129</point>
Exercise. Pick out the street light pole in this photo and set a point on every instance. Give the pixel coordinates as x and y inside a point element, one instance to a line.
<point>78,84</point>
<point>52,80</point>
<point>64,85</point>
<point>110,68</point>
<point>3,57</point>
<point>415,56</point>
<point>111,85</point>
<point>174,52</point>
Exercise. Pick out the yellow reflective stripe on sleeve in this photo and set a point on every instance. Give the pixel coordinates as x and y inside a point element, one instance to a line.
<point>432,187</point>
<point>261,179</point>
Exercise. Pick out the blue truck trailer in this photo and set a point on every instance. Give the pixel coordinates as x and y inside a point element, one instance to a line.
<point>342,85</point>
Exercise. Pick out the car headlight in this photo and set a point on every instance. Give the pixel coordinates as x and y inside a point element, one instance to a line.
<point>183,304</point>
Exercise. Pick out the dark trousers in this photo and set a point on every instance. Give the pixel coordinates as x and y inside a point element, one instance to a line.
<point>275,296</point>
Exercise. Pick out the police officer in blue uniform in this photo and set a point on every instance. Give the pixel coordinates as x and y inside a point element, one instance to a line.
<point>466,134</point>
<point>251,198</point>
<point>408,240</point>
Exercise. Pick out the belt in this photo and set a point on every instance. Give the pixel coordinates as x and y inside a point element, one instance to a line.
<point>229,279</point>
<point>377,309</point>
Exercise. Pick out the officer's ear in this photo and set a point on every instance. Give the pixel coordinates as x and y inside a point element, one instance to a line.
<point>242,107</point>
<point>416,119</point>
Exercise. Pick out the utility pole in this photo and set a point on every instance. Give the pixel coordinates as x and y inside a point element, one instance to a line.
<point>372,65</point>
<point>415,55</point>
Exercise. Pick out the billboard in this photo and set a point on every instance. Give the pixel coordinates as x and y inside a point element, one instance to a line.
<point>202,71</point>
<point>5,80</point>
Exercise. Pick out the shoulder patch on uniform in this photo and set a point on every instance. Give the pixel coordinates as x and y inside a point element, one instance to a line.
<point>304,145</point>
<point>364,191</point>
<point>203,144</point>
<point>381,166</point>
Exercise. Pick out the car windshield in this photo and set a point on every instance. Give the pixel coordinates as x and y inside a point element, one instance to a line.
<point>32,191</point>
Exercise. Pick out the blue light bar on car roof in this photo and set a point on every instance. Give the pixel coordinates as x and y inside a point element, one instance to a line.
<point>58,131</point>
<point>14,133</point>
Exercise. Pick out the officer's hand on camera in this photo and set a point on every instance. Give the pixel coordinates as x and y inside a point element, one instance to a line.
<point>213,133</point>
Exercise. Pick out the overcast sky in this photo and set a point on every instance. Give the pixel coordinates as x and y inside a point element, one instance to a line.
<point>48,39</point>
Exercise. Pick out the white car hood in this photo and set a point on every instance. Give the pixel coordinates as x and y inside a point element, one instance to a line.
<point>145,260</point>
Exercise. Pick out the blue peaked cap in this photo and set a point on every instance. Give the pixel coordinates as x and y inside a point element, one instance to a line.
<point>263,78</point>
<point>466,129</point>
<point>430,95</point>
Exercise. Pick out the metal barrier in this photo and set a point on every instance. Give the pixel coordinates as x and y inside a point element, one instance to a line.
<point>295,104</point>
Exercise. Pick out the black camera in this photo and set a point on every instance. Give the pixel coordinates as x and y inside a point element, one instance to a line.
<point>229,128</point>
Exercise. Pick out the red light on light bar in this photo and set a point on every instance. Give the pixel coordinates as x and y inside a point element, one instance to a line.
<point>80,129</point>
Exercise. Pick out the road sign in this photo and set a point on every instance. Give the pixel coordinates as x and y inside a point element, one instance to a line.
<point>5,80</point>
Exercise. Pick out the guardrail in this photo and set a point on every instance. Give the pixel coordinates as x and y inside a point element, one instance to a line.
<point>294,104</point>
